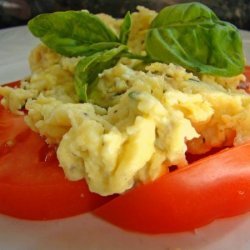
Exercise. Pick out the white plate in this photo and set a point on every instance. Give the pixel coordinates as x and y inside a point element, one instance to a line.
<point>86,231</point>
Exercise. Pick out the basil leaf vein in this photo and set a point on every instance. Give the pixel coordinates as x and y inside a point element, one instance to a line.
<point>73,33</point>
<point>192,36</point>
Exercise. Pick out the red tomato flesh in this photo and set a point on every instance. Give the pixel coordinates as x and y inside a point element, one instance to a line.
<point>32,185</point>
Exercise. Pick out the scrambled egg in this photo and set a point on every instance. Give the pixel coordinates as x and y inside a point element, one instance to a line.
<point>148,121</point>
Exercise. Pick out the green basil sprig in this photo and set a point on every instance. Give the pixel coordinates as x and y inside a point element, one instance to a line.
<point>192,36</point>
<point>73,33</point>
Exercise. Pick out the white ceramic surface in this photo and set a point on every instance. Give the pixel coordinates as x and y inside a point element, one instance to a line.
<point>85,231</point>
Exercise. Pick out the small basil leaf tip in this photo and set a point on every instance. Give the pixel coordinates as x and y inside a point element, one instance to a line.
<point>125,28</point>
<point>88,68</point>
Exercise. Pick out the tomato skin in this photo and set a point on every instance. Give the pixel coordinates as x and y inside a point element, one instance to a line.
<point>32,186</point>
<point>47,202</point>
<point>215,187</point>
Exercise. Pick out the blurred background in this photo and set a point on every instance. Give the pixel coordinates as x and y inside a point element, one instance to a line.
<point>18,12</point>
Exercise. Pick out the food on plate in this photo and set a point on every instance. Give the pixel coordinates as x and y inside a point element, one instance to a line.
<point>127,104</point>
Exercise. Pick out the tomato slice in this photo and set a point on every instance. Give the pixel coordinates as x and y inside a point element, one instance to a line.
<point>214,187</point>
<point>32,186</point>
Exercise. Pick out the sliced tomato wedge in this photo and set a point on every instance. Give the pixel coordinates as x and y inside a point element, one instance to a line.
<point>32,185</point>
<point>214,187</point>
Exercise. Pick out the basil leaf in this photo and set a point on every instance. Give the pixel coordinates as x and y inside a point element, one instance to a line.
<point>88,68</point>
<point>73,33</point>
<point>192,36</point>
<point>125,28</point>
